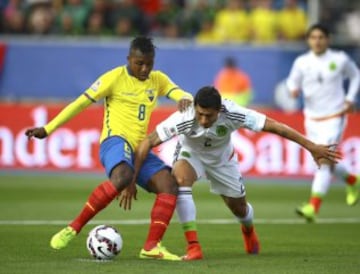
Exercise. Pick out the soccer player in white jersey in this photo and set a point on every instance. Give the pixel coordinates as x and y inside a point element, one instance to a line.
<point>205,148</point>
<point>319,74</point>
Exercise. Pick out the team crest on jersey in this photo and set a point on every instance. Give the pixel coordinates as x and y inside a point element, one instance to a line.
<point>169,132</point>
<point>150,94</point>
<point>332,66</point>
<point>95,85</point>
<point>221,131</point>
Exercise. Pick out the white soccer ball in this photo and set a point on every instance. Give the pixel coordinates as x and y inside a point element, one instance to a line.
<point>104,242</point>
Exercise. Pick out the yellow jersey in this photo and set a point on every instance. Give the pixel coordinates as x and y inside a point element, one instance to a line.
<point>264,25</point>
<point>293,23</point>
<point>128,103</point>
<point>231,26</point>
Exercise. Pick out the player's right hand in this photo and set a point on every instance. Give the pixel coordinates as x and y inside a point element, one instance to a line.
<point>348,107</point>
<point>295,93</point>
<point>126,196</point>
<point>37,132</point>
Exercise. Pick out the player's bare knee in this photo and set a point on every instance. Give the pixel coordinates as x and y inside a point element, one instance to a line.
<point>121,176</point>
<point>238,206</point>
<point>242,211</point>
<point>238,210</point>
<point>170,186</point>
<point>183,181</point>
<point>164,182</point>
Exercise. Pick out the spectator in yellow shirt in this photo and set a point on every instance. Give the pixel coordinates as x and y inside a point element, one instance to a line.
<point>206,35</point>
<point>232,23</point>
<point>292,21</point>
<point>263,23</point>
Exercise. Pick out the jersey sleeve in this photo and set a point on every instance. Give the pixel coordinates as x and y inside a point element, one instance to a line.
<point>167,129</point>
<point>241,117</point>
<point>351,72</point>
<point>293,82</point>
<point>67,113</point>
<point>176,124</point>
<point>169,89</point>
<point>100,88</point>
<point>254,120</point>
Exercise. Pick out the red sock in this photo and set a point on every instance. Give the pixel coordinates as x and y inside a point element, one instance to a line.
<point>161,214</point>
<point>191,237</point>
<point>316,202</point>
<point>101,196</point>
<point>247,229</point>
<point>351,179</point>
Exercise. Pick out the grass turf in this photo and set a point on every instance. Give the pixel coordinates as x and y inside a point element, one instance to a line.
<point>34,207</point>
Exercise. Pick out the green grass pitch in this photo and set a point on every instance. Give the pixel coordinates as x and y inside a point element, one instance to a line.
<point>35,206</point>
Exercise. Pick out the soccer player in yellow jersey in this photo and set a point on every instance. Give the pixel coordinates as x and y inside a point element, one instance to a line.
<point>130,94</point>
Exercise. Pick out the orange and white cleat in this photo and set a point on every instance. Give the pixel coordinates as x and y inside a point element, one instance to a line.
<point>251,241</point>
<point>193,252</point>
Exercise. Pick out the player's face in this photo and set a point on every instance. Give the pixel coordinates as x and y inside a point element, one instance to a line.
<point>140,64</point>
<point>206,117</point>
<point>318,41</point>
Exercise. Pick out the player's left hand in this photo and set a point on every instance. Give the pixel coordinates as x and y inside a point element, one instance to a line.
<point>184,103</point>
<point>323,153</point>
<point>127,195</point>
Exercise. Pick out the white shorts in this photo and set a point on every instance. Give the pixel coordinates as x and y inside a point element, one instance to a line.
<point>325,132</point>
<point>224,180</point>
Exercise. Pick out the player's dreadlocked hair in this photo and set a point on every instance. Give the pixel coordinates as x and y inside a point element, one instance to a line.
<point>144,44</point>
<point>208,97</point>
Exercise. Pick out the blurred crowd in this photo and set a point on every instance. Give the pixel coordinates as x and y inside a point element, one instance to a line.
<point>206,21</point>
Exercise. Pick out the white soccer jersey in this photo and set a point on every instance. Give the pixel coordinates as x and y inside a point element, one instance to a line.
<point>321,79</point>
<point>212,145</point>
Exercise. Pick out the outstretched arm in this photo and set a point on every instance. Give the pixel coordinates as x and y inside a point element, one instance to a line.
<point>65,115</point>
<point>320,153</point>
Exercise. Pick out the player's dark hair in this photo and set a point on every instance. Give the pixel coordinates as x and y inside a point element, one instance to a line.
<point>208,97</point>
<point>143,44</point>
<point>319,27</point>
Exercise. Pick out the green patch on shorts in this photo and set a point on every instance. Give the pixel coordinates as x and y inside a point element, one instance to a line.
<point>185,154</point>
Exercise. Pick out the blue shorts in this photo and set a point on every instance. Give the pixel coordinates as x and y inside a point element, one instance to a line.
<point>115,150</point>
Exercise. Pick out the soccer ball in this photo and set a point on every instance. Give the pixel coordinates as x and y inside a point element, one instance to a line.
<point>104,242</point>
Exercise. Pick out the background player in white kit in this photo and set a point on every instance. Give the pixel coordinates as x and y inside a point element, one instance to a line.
<point>205,148</point>
<point>320,74</point>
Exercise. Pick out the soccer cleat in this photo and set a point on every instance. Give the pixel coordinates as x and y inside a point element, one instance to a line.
<point>352,193</point>
<point>159,252</point>
<point>62,238</point>
<point>251,241</point>
<point>193,252</point>
<point>307,211</point>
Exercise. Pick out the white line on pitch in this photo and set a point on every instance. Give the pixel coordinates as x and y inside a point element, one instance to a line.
<point>200,221</point>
